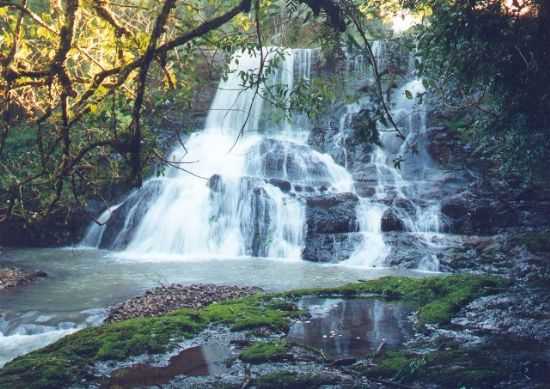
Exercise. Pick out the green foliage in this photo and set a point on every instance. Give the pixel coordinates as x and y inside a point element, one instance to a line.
<point>490,61</point>
<point>261,352</point>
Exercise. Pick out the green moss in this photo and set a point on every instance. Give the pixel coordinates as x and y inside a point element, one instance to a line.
<point>68,360</point>
<point>291,380</point>
<point>437,299</point>
<point>249,313</point>
<point>261,352</point>
<point>450,368</point>
<point>391,364</point>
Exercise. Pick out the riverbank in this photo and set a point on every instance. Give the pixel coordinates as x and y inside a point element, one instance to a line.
<point>414,333</point>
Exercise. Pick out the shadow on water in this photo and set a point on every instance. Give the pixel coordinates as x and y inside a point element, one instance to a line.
<point>351,328</point>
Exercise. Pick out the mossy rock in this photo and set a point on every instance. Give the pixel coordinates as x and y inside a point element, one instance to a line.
<point>291,380</point>
<point>262,352</point>
<point>68,360</point>
<point>449,368</point>
<point>72,358</point>
<point>437,299</point>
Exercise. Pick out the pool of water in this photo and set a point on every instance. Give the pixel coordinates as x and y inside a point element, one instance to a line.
<point>82,283</point>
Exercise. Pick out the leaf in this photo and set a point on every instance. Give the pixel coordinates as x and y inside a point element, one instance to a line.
<point>408,94</point>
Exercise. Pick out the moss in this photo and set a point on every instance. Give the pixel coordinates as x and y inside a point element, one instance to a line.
<point>291,380</point>
<point>390,364</point>
<point>261,352</point>
<point>449,368</point>
<point>437,299</point>
<point>249,313</point>
<point>69,359</point>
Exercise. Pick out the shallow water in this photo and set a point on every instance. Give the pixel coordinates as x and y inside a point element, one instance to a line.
<point>82,283</point>
<point>351,328</point>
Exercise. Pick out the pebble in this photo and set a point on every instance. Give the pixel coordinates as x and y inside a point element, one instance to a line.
<point>164,299</point>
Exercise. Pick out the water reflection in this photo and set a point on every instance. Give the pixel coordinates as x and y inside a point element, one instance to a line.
<point>204,360</point>
<point>351,328</point>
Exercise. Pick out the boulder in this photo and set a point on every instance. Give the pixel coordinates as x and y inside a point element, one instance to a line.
<point>392,222</point>
<point>330,247</point>
<point>121,225</point>
<point>332,213</point>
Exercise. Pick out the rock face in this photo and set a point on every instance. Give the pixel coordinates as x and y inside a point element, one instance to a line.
<point>331,247</point>
<point>392,222</point>
<point>332,213</point>
<point>332,227</point>
<point>277,159</point>
<point>346,147</point>
<point>445,147</point>
<point>122,224</point>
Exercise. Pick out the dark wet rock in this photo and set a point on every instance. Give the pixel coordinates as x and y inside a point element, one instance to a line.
<point>330,247</point>
<point>257,229</point>
<point>122,224</point>
<point>11,277</point>
<point>446,147</point>
<point>392,222</point>
<point>332,227</point>
<point>61,227</point>
<point>348,148</point>
<point>283,185</point>
<point>522,315</point>
<point>332,213</point>
<point>164,299</point>
<point>469,214</point>
<point>215,183</point>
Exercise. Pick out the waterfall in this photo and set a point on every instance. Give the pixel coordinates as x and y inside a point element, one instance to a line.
<point>274,193</point>
<point>238,201</point>
<point>397,189</point>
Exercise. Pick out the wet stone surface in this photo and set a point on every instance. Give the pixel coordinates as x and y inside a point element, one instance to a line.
<point>11,277</point>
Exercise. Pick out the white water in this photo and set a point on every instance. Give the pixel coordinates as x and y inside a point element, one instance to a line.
<point>424,221</point>
<point>230,207</point>
<point>189,218</point>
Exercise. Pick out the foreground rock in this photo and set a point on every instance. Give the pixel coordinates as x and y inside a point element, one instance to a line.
<point>438,332</point>
<point>11,277</point>
<point>164,299</point>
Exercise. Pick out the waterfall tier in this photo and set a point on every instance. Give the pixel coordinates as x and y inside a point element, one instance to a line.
<point>284,189</point>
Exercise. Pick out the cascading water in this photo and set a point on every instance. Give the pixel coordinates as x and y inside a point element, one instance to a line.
<point>242,205</point>
<point>270,194</point>
<point>397,190</point>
